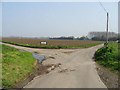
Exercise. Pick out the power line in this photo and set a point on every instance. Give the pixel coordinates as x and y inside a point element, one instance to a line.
<point>102,6</point>
<point>106,23</point>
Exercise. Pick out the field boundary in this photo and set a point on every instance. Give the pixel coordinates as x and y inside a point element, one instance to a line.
<point>53,47</point>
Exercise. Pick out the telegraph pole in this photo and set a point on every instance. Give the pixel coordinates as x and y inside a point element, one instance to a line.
<point>106,43</point>
<point>107,29</point>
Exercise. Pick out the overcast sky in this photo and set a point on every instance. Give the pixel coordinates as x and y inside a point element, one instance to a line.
<point>44,19</point>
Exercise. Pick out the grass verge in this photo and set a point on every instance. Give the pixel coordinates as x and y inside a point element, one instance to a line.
<point>16,66</point>
<point>0,66</point>
<point>54,47</point>
<point>108,56</point>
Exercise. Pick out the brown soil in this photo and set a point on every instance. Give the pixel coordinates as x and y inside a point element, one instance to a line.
<point>109,78</point>
<point>36,42</point>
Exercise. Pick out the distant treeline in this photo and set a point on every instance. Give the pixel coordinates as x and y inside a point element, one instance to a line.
<point>70,38</point>
<point>63,38</point>
<point>101,36</point>
<point>96,36</point>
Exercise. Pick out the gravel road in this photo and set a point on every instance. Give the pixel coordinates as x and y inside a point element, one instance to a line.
<point>77,69</point>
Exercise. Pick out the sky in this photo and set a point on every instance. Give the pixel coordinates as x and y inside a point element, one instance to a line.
<point>51,19</point>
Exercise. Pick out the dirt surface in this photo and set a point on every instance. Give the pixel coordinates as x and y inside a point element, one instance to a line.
<point>109,78</point>
<point>76,69</point>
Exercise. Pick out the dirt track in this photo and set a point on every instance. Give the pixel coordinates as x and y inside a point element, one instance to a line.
<point>77,69</point>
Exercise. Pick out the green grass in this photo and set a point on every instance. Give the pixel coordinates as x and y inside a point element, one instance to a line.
<point>55,47</point>
<point>0,65</point>
<point>108,56</point>
<point>16,65</point>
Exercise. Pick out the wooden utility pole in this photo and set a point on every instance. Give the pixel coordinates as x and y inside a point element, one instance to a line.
<point>106,43</point>
<point>107,29</point>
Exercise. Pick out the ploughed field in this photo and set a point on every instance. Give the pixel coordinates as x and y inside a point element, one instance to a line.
<point>53,43</point>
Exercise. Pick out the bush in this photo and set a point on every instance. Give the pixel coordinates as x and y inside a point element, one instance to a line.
<point>108,56</point>
<point>104,53</point>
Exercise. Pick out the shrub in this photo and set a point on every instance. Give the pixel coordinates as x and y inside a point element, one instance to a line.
<point>104,53</point>
<point>108,56</point>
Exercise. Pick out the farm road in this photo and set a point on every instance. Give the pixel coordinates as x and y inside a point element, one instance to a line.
<point>77,69</point>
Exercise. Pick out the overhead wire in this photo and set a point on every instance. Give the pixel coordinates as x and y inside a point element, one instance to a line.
<point>107,36</point>
<point>102,6</point>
